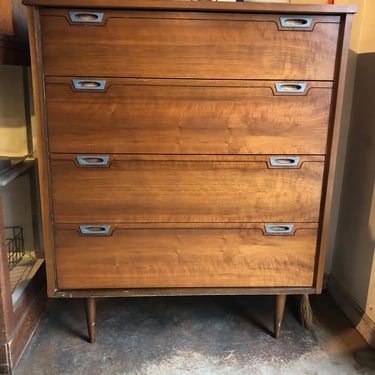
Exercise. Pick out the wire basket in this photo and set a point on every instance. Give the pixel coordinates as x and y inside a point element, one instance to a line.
<point>15,245</point>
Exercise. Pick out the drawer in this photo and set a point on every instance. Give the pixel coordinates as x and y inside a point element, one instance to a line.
<point>196,190</point>
<point>189,45</point>
<point>187,117</point>
<point>184,257</point>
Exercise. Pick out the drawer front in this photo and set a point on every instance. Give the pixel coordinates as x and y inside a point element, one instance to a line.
<point>185,191</point>
<point>180,117</point>
<point>149,258</point>
<point>188,45</point>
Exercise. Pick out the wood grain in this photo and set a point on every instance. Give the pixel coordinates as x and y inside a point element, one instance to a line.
<point>185,191</point>
<point>13,34</point>
<point>151,258</point>
<point>187,117</point>
<point>6,17</point>
<point>199,6</point>
<point>188,121</point>
<point>188,46</point>
<point>41,148</point>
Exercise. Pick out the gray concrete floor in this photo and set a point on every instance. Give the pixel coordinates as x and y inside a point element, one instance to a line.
<point>195,335</point>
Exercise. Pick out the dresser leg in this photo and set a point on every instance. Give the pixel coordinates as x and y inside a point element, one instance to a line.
<point>307,316</point>
<point>279,313</point>
<point>90,317</point>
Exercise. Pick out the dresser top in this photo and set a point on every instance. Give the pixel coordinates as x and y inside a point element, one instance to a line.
<point>215,6</point>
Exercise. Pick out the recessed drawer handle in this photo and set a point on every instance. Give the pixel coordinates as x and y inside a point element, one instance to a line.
<point>284,162</point>
<point>295,21</point>
<point>89,84</point>
<point>94,229</point>
<point>92,160</point>
<point>278,228</point>
<point>92,17</point>
<point>290,87</point>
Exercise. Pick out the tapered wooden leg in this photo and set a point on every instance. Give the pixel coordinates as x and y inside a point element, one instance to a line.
<point>307,316</point>
<point>279,313</point>
<point>90,317</point>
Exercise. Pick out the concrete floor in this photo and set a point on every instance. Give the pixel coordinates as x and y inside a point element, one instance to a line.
<point>194,335</point>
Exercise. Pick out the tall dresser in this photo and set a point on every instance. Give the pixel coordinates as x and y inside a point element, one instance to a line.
<point>186,148</point>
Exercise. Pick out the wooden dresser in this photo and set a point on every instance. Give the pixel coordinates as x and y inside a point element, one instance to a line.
<point>186,147</point>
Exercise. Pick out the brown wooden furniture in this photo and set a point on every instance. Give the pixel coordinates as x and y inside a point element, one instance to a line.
<point>21,307</point>
<point>13,33</point>
<point>186,147</point>
<point>19,316</point>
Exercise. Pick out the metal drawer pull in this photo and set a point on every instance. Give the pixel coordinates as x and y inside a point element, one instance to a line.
<point>290,87</point>
<point>279,228</point>
<point>89,84</point>
<point>284,162</point>
<point>93,17</point>
<point>295,21</point>
<point>92,160</point>
<point>94,229</point>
